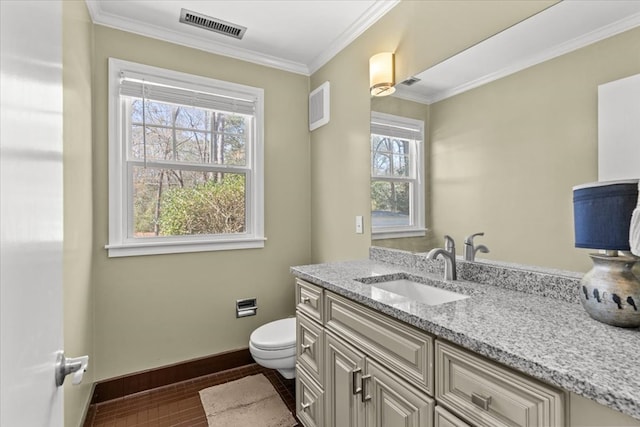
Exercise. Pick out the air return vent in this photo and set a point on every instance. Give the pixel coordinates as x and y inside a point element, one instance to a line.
<point>319,106</point>
<point>410,81</point>
<point>212,24</point>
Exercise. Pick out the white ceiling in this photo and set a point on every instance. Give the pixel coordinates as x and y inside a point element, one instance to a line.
<point>294,35</point>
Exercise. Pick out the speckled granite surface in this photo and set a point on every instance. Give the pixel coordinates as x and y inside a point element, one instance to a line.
<point>540,332</point>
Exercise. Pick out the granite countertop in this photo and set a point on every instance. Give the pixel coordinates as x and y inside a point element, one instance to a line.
<point>549,338</point>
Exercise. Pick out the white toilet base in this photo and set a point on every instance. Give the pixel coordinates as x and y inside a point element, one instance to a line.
<point>288,373</point>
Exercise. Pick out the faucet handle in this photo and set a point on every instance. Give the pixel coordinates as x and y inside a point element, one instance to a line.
<point>469,239</point>
<point>449,243</point>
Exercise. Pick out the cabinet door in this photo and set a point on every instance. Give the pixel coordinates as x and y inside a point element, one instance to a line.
<point>309,400</point>
<point>343,391</point>
<point>310,347</point>
<point>392,402</point>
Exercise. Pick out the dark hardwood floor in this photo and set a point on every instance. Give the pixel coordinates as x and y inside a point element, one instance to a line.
<point>178,404</point>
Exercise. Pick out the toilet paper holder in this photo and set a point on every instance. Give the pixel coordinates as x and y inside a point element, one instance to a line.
<point>246,307</point>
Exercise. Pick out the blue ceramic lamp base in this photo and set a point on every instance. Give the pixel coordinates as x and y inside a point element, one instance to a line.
<point>610,291</point>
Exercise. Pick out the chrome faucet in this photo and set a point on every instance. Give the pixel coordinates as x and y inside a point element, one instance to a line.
<point>449,255</point>
<point>470,250</point>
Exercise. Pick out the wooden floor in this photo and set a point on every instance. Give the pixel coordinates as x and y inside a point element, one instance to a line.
<point>178,404</point>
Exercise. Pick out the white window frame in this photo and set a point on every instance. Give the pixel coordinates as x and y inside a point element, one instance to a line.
<point>413,130</point>
<point>120,200</point>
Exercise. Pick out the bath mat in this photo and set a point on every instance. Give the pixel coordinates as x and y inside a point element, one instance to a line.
<point>250,401</point>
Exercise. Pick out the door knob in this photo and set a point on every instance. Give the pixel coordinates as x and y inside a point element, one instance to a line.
<point>70,365</point>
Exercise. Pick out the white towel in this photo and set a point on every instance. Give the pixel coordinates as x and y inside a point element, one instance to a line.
<point>634,230</point>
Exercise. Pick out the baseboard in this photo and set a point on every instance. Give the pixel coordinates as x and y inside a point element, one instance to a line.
<point>125,385</point>
<point>87,406</point>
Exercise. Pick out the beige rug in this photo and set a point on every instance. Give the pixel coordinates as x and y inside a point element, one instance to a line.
<point>250,401</point>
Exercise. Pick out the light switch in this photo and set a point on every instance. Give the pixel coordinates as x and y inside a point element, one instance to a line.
<point>359,229</point>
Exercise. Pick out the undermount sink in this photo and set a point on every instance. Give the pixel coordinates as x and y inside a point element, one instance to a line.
<point>396,291</point>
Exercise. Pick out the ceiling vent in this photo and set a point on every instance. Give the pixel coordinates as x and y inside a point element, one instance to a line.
<point>212,24</point>
<point>410,81</point>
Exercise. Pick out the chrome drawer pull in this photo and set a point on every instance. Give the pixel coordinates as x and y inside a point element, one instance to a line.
<point>305,347</point>
<point>481,401</point>
<point>305,406</point>
<point>354,388</point>
<point>365,396</point>
<point>305,300</point>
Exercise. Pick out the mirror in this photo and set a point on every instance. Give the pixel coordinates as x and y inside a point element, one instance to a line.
<point>503,154</point>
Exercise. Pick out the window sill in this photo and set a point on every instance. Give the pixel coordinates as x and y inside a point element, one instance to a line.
<point>397,234</point>
<point>177,247</point>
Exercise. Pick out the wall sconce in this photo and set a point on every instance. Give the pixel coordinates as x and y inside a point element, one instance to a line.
<point>602,211</point>
<point>382,74</point>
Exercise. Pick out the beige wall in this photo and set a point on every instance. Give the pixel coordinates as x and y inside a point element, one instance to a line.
<point>505,156</point>
<point>156,310</point>
<point>421,33</point>
<point>78,224</point>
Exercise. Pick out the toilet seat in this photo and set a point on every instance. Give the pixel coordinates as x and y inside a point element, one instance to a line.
<point>275,337</point>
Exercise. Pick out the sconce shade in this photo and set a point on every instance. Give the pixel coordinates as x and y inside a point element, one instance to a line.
<point>602,214</point>
<point>382,74</point>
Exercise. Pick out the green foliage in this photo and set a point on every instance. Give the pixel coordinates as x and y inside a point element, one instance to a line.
<point>389,197</point>
<point>213,207</point>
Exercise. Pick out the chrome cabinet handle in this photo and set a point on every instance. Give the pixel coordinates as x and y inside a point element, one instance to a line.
<point>305,300</point>
<point>481,401</point>
<point>305,406</point>
<point>354,381</point>
<point>305,347</point>
<point>365,395</point>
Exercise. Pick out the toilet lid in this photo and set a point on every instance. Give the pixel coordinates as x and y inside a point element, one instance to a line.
<point>274,335</point>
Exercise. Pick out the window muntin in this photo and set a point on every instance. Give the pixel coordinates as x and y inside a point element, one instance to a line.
<point>397,183</point>
<point>185,162</point>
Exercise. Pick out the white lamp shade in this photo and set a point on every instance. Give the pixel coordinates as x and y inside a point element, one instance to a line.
<point>381,74</point>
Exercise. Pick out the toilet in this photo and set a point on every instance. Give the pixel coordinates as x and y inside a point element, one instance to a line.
<point>273,346</point>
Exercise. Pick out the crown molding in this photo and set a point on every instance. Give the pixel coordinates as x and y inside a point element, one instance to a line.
<point>554,52</point>
<point>411,94</point>
<point>373,14</point>
<point>491,48</point>
<point>100,17</point>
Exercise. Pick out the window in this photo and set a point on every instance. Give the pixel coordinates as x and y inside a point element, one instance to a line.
<point>185,162</point>
<point>397,177</point>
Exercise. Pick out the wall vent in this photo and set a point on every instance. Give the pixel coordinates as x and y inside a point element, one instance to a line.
<point>319,106</point>
<point>212,24</point>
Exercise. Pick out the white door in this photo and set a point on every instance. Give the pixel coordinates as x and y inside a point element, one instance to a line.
<point>30,212</point>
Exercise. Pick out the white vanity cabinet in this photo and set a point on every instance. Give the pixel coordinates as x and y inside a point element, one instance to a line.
<point>361,392</point>
<point>309,354</point>
<point>358,367</point>
<point>487,394</point>
<point>373,370</point>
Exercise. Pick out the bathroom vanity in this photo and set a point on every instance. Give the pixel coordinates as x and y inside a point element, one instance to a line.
<point>516,350</point>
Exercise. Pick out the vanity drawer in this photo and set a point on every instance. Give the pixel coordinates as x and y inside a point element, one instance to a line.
<point>309,400</point>
<point>402,348</point>
<point>488,394</point>
<point>310,347</point>
<point>444,418</point>
<point>309,300</point>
